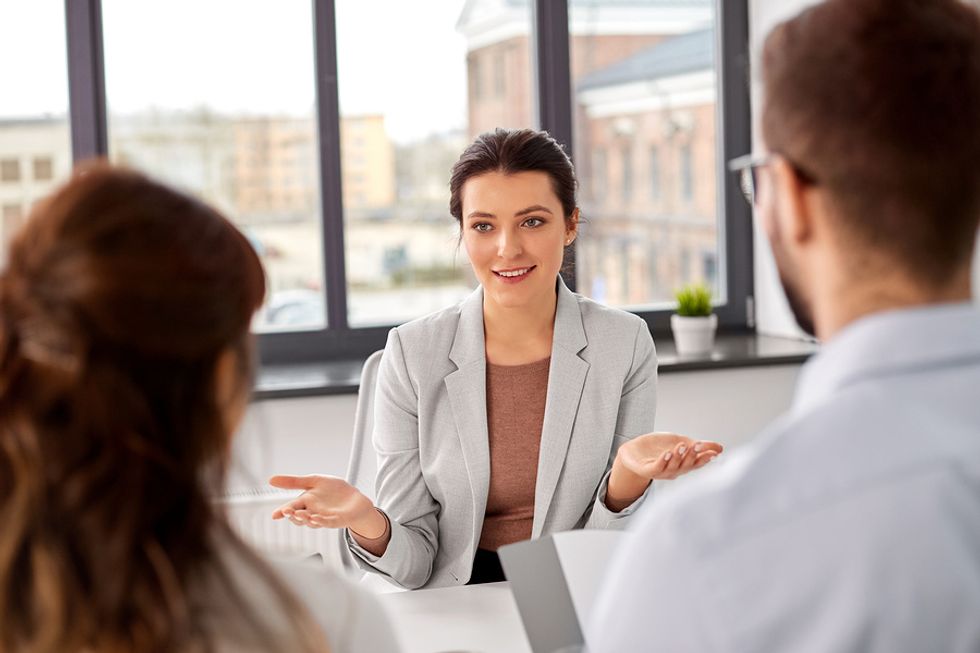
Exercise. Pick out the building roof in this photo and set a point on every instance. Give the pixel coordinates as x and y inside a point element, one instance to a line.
<point>487,12</point>
<point>625,3</point>
<point>45,119</point>
<point>676,56</point>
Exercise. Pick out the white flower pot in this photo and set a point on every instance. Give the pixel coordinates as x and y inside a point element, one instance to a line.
<point>694,336</point>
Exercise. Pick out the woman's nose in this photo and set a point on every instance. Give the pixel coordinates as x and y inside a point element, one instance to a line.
<point>508,244</point>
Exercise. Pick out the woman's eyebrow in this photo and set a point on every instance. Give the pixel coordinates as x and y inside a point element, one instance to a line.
<point>533,209</point>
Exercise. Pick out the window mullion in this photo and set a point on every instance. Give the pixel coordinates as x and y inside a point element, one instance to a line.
<point>328,122</point>
<point>553,81</point>
<point>734,115</point>
<point>86,79</point>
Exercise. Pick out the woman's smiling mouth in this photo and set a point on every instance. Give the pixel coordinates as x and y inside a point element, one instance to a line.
<point>514,275</point>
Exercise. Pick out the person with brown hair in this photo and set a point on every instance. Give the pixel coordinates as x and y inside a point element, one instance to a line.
<point>125,368</point>
<point>853,523</point>
<point>524,411</point>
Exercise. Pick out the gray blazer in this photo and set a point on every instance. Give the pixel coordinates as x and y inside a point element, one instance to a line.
<point>430,432</point>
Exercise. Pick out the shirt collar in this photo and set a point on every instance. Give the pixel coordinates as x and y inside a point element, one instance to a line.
<point>889,342</point>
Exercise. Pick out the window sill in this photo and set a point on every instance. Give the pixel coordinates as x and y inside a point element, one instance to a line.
<point>731,351</point>
<point>737,350</point>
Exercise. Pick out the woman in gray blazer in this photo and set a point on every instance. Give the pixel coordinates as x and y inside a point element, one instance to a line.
<point>477,432</point>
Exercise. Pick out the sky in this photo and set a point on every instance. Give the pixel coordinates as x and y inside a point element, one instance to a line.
<point>403,59</point>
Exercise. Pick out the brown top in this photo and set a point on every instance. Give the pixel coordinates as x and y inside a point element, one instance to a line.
<point>516,397</point>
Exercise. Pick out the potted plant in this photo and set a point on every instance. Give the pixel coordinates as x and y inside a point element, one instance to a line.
<point>694,324</point>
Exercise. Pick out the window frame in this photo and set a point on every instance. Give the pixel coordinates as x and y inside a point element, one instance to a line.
<point>554,108</point>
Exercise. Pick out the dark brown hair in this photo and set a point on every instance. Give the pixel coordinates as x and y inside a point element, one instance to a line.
<point>510,151</point>
<point>879,102</point>
<point>119,297</point>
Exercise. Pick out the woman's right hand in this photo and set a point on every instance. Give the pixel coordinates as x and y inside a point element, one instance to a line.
<point>329,502</point>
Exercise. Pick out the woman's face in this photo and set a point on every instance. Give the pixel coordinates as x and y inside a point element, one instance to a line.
<point>515,234</point>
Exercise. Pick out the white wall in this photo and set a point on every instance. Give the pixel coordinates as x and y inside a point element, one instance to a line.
<point>312,435</point>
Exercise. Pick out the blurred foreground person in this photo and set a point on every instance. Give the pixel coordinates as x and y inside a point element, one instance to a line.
<point>125,368</point>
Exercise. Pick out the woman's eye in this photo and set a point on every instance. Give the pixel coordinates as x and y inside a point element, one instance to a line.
<point>533,222</point>
<point>482,227</point>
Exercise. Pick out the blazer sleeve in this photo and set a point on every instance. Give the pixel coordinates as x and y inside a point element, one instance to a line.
<point>637,410</point>
<point>401,490</point>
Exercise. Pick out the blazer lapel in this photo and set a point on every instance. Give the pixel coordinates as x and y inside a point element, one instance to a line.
<point>566,379</point>
<point>467,390</point>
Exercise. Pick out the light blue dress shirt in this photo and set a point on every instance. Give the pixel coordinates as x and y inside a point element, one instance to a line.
<point>851,524</point>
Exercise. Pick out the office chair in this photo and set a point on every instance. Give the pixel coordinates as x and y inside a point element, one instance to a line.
<point>362,467</point>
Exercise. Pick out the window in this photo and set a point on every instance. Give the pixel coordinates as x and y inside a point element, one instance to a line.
<point>627,174</point>
<point>43,168</point>
<point>9,170</point>
<point>500,77</point>
<point>654,173</point>
<point>233,143</point>
<point>686,173</point>
<point>600,174</point>
<point>709,268</point>
<point>646,71</point>
<point>335,161</point>
<point>476,81</point>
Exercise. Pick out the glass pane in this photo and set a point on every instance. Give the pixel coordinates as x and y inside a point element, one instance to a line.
<point>35,141</point>
<point>643,73</point>
<point>218,97</point>
<point>454,70</point>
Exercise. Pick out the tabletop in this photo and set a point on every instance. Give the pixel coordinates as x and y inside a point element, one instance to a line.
<point>470,619</point>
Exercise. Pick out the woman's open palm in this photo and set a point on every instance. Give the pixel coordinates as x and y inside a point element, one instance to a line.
<point>665,456</point>
<point>327,501</point>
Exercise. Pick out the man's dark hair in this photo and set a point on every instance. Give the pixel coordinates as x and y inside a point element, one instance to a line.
<point>878,101</point>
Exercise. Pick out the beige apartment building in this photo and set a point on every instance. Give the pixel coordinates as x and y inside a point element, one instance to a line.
<point>367,162</point>
<point>35,155</point>
<point>275,166</point>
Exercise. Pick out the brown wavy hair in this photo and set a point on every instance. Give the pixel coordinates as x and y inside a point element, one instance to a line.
<point>119,298</point>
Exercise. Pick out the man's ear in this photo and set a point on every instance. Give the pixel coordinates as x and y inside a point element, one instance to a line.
<point>794,210</point>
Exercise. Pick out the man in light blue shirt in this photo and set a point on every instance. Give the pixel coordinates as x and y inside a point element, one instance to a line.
<point>853,523</point>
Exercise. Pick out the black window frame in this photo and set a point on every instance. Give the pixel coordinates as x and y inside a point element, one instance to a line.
<point>554,108</point>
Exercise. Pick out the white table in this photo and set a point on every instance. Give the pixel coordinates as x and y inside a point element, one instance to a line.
<point>471,618</point>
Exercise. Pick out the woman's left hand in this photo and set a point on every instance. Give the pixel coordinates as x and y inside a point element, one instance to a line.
<point>654,456</point>
<point>665,456</point>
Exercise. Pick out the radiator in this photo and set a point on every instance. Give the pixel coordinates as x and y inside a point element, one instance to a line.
<point>250,514</point>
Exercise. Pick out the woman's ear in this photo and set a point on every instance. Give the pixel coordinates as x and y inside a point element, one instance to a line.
<point>571,227</point>
<point>231,391</point>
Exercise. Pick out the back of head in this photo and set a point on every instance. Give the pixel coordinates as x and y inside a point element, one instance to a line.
<point>119,298</point>
<point>878,101</point>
